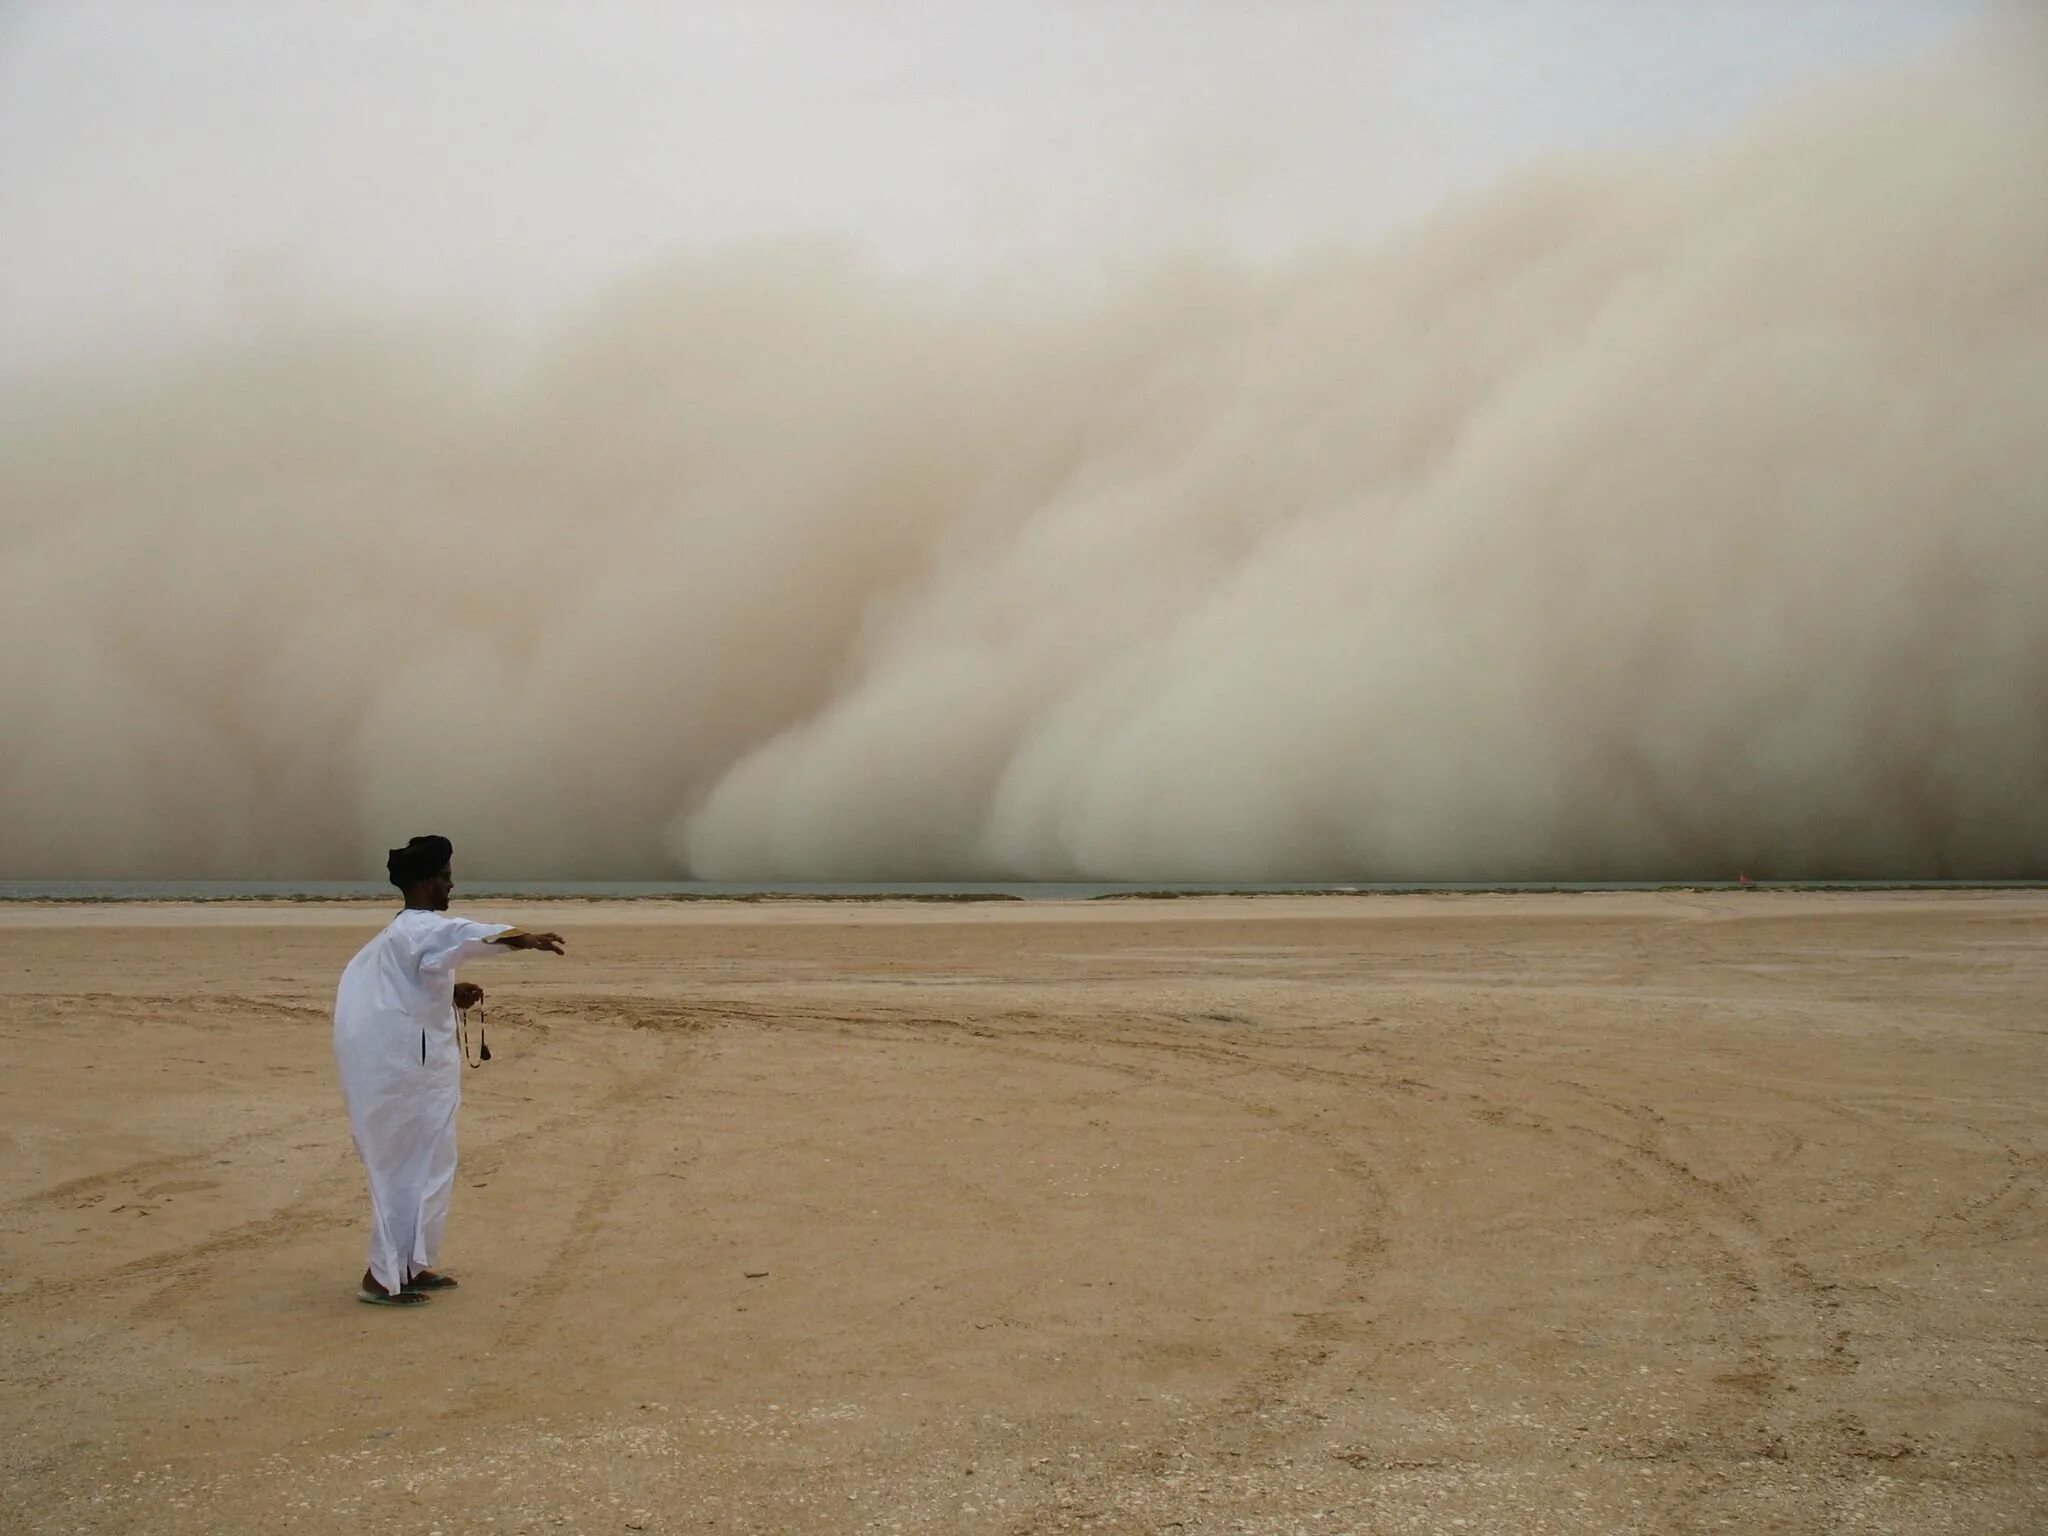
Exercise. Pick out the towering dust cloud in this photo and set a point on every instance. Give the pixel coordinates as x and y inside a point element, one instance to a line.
<point>1655,518</point>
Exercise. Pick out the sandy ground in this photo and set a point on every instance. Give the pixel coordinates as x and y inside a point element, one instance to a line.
<point>1522,1214</point>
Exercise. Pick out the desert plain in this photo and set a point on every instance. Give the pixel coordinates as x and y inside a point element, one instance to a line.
<point>1622,1212</point>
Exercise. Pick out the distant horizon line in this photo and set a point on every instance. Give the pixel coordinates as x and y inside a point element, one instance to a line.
<point>202,890</point>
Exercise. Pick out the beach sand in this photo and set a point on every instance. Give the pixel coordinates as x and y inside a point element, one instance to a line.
<point>1602,1213</point>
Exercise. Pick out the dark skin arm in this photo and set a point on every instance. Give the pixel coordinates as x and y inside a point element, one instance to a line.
<point>516,939</point>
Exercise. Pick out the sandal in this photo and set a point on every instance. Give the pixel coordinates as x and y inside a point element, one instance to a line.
<point>386,1299</point>
<point>427,1280</point>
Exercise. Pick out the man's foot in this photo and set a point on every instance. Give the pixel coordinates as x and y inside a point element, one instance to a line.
<point>386,1299</point>
<point>373,1293</point>
<point>427,1280</point>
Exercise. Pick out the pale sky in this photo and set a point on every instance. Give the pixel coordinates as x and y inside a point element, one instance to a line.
<point>154,156</point>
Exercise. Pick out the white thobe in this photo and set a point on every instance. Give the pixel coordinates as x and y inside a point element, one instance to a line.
<point>401,1076</point>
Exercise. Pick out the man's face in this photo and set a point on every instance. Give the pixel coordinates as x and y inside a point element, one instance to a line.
<point>439,888</point>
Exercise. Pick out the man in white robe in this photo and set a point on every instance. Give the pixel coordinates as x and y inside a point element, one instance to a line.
<point>401,1067</point>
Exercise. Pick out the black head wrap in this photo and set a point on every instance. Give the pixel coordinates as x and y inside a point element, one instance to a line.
<point>420,859</point>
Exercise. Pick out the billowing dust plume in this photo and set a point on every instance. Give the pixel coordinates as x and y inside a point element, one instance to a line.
<point>1672,516</point>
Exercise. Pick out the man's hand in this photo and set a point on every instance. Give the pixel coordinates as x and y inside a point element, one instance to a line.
<point>468,994</point>
<point>551,942</point>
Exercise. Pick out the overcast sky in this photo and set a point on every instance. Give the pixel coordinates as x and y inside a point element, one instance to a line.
<point>155,156</point>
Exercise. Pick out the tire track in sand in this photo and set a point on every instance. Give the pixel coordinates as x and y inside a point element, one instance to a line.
<point>334,1203</point>
<point>1256,1411</point>
<point>630,1105</point>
